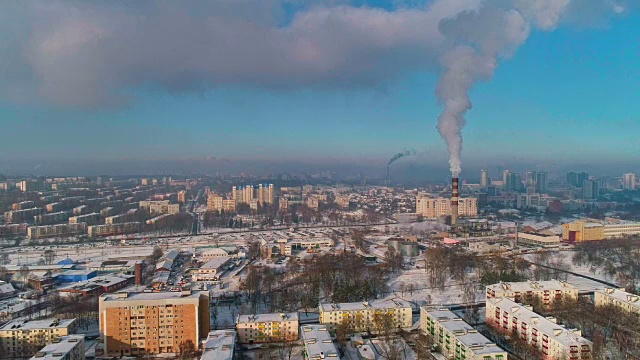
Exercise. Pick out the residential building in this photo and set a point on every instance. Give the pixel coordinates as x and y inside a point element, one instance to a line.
<point>542,182</point>
<point>182,197</point>
<point>59,230</point>
<point>618,298</point>
<point>54,207</point>
<point>542,333</point>
<point>52,218</point>
<point>20,216</point>
<point>13,229</point>
<point>263,193</point>
<point>581,231</point>
<point>317,343</point>
<point>229,205</point>
<point>70,347</point>
<point>220,345</point>
<point>528,200</point>
<point>214,202</point>
<point>23,338</point>
<point>484,178</point>
<point>528,291</point>
<point>113,229</point>
<point>262,328</point>
<point>572,178</point>
<point>361,315</point>
<point>456,338</point>
<point>133,324</point>
<point>156,209</point>
<point>590,190</point>
<point>437,207</point>
<point>22,205</point>
<point>629,181</point>
<point>129,216</point>
<point>89,219</point>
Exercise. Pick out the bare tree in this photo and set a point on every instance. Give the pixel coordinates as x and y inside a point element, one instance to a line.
<point>49,256</point>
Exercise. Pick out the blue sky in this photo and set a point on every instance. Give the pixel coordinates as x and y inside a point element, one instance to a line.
<point>570,95</point>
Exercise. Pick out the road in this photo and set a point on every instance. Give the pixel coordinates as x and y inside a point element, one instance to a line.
<point>196,218</point>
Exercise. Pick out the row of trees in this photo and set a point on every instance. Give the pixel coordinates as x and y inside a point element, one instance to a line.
<point>618,259</point>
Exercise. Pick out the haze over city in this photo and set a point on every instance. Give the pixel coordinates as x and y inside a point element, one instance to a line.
<point>320,180</point>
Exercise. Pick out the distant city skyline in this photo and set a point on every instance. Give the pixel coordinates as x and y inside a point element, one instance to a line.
<point>565,97</point>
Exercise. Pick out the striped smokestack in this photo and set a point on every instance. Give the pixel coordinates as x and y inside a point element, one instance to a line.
<point>454,200</point>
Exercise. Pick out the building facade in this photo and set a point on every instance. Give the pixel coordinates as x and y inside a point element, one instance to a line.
<point>152,323</point>
<point>528,291</point>
<point>539,332</point>
<point>456,338</point>
<point>618,298</point>
<point>438,207</point>
<point>23,338</point>
<point>262,328</point>
<point>361,315</point>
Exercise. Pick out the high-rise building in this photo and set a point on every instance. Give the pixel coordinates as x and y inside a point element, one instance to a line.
<point>542,182</point>
<point>437,207</point>
<point>214,202</point>
<point>530,179</point>
<point>263,193</point>
<point>514,182</point>
<point>182,196</point>
<point>484,178</point>
<point>582,177</point>
<point>629,181</point>
<point>572,178</point>
<point>134,324</point>
<point>590,189</point>
<point>505,179</point>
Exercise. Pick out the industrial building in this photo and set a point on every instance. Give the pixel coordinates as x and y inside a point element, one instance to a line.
<point>72,276</point>
<point>262,328</point>
<point>133,324</point>
<point>360,315</point>
<point>406,248</point>
<point>542,333</point>
<point>455,338</point>
<point>582,231</point>
<point>211,270</point>
<point>99,285</point>
<point>540,240</point>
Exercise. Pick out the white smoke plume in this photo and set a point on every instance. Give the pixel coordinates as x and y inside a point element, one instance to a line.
<point>477,41</point>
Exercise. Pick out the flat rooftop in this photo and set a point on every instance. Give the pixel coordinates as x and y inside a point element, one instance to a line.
<point>148,296</point>
<point>59,350</point>
<point>215,263</point>
<point>274,317</point>
<point>622,296</point>
<point>376,304</point>
<point>532,286</point>
<point>219,345</point>
<point>16,325</point>
<point>464,332</point>
<point>318,343</point>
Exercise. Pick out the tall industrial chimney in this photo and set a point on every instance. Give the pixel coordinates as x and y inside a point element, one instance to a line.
<point>454,200</point>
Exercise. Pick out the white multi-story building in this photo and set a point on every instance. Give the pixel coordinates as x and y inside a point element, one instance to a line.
<point>456,338</point>
<point>215,202</point>
<point>220,345</point>
<point>69,347</point>
<point>262,328</point>
<point>544,334</point>
<point>621,230</point>
<point>619,298</point>
<point>361,316</point>
<point>629,181</point>
<point>528,291</point>
<point>317,342</point>
<point>437,207</point>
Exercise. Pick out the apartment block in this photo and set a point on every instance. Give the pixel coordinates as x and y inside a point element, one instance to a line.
<point>262,328</point>
<point>527,291</point>
<point>618,298</point>
<point>45,231</point>
<point>20,216</point>
<point>317,342</point>
<point>89,219</point>
<point>157,209</point>
<point>133,324</point>
<point>362,315</point>
<point>129,216</point>
<point>544,334</point>
<point>438,207</point>
<point>214,202</point>
<point>113,229</point>
<point>22,205</point>
<point>13,229</point>
<point>23,338</point>
<point>52,218</point>
<point>69,347</point>
<point>54,207</point>
<point>220,345</point>
<point>457,339</point>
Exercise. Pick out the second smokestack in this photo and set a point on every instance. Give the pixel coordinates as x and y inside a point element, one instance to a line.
<point>454,200</point>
